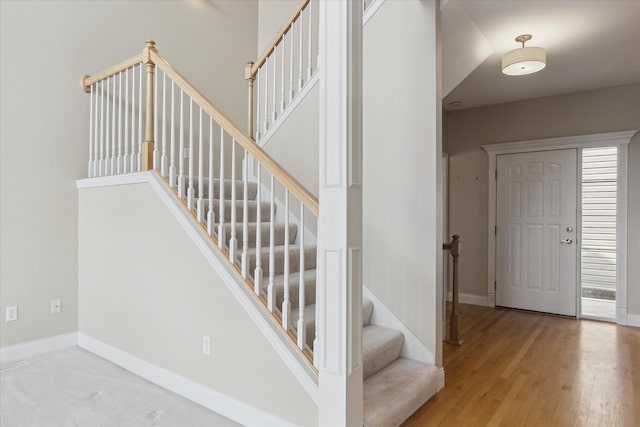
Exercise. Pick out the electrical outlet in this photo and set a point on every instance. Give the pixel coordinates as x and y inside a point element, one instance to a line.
<point>186,153</point>
<point>206,345</point>
<point>12,313</point>
<point>55,306</point>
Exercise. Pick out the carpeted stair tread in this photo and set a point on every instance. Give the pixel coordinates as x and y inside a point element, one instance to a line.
<point>279,254</point>
<point>380,347</point>
<point>394,393</point>
<point>294,286</point>
<point>252,188</point>
<point>252,206</point>
<point>252,227</point>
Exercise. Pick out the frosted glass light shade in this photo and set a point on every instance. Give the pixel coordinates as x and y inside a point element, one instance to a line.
<point>525,60</point>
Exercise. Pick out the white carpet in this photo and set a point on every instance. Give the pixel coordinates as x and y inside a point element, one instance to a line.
<point>73,387</point>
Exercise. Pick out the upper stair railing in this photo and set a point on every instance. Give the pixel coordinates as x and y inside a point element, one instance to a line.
<point>200,152</point>
<point>283,68</point>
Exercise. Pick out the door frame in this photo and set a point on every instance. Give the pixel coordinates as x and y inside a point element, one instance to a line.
<point>619,139</point>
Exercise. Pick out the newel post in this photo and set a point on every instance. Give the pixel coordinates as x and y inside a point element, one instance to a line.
<point>149,140</point>
<point>339,293</point>
<point>249,77</point>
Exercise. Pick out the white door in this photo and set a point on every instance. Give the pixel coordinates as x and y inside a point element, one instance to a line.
<point>536,231</point>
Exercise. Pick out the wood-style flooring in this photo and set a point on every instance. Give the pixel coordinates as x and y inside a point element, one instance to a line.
<point>519,368</point>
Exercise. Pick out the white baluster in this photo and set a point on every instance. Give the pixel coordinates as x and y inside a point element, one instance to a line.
<point>156,162</point>
<point>140,123</point>
<point>200,203</point>
<point>101,171</point>
<point>221,229</point>
<point>107,128</point>
<point>211,216</point>
<point>271,300</point>
<point>163,159</point>
<point>316,350</point>
<point>302,332</point>
<point>181,186</point>
<point>291,49</point>
<point>266,95</point>
<point>309,68</point>
<point>233,241</point>
<point>244,260</point>
<point>257,273</point>
<point>125,159</point>
<point>119,159</point>
<point>96,126</point>
<point>191,190</point>
<point>283,67</point>
<point>258,100</point>
<point>113,128</point>
<point>90,166</point>
<point>274,114</point>
<point>286,303</point>
<point>172,166</point>
<point>300,75</point>
<point>133,157</point>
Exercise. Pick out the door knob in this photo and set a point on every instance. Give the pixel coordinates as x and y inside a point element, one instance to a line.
<point>566,241</point>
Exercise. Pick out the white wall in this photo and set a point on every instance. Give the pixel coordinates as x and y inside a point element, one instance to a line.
<point>46,47</point>
<point>164,296</point>
<point>604,110</point>
<point>272,14</point>
<point>401,162</point>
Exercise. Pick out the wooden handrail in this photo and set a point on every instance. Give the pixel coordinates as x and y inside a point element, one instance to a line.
<point>87,81</point>
<point>273,167</point>
<point>151,57</point>
<point>283,30</point>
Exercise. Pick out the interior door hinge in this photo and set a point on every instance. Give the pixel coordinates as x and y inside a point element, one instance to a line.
<point>495,285</point>
<point>495,230</point>
<point>496,174</point>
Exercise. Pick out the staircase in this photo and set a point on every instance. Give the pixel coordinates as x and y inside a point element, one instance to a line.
<point>249,208</point>
<point>394,386</point>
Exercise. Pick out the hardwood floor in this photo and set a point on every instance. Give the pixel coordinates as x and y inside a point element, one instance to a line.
<point>519,368</point>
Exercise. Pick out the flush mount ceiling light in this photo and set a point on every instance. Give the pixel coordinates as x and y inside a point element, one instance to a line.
<point>525,60</point>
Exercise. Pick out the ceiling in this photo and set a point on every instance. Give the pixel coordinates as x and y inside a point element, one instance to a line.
<point>590,44</point>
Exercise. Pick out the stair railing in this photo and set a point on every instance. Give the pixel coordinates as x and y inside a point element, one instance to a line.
<point>282,69</point>
<point>454,248</point>
<point>200,152</point>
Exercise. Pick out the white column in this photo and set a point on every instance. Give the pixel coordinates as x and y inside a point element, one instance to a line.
<point>338,347</point>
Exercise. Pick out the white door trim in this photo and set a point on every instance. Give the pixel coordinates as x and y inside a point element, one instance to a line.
<point>619,139</point>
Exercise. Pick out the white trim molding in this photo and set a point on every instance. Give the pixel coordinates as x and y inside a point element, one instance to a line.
<point>25,350</point>
<point>198,393</point>
<point>258,313</point>
<point>473,299</point>
<point>621,140</point>
<point>370,11</point>
<point>633,320</point>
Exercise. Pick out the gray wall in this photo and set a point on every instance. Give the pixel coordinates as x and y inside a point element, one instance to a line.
<point>46,47</point>
<point>604,110</point>
<point>164,296</point>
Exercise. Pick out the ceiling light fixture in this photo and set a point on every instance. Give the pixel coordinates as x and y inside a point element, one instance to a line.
<point>525,60</point>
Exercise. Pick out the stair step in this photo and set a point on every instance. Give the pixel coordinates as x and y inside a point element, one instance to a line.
<point>252,227</point>
<point>294,259</point>
<point>380,347</point>
<point>367,309</point>
<point>394,393</point>
<point>294,286</point>
<point>252,188</point>
<point>252,209</point>
<point>310,318</point>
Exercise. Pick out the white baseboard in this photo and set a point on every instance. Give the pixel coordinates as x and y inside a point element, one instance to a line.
<point>25,350</point>
<point>440,381</point>
<point>633,320</point>
<point>470,299</point>
<point>222,404</point>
